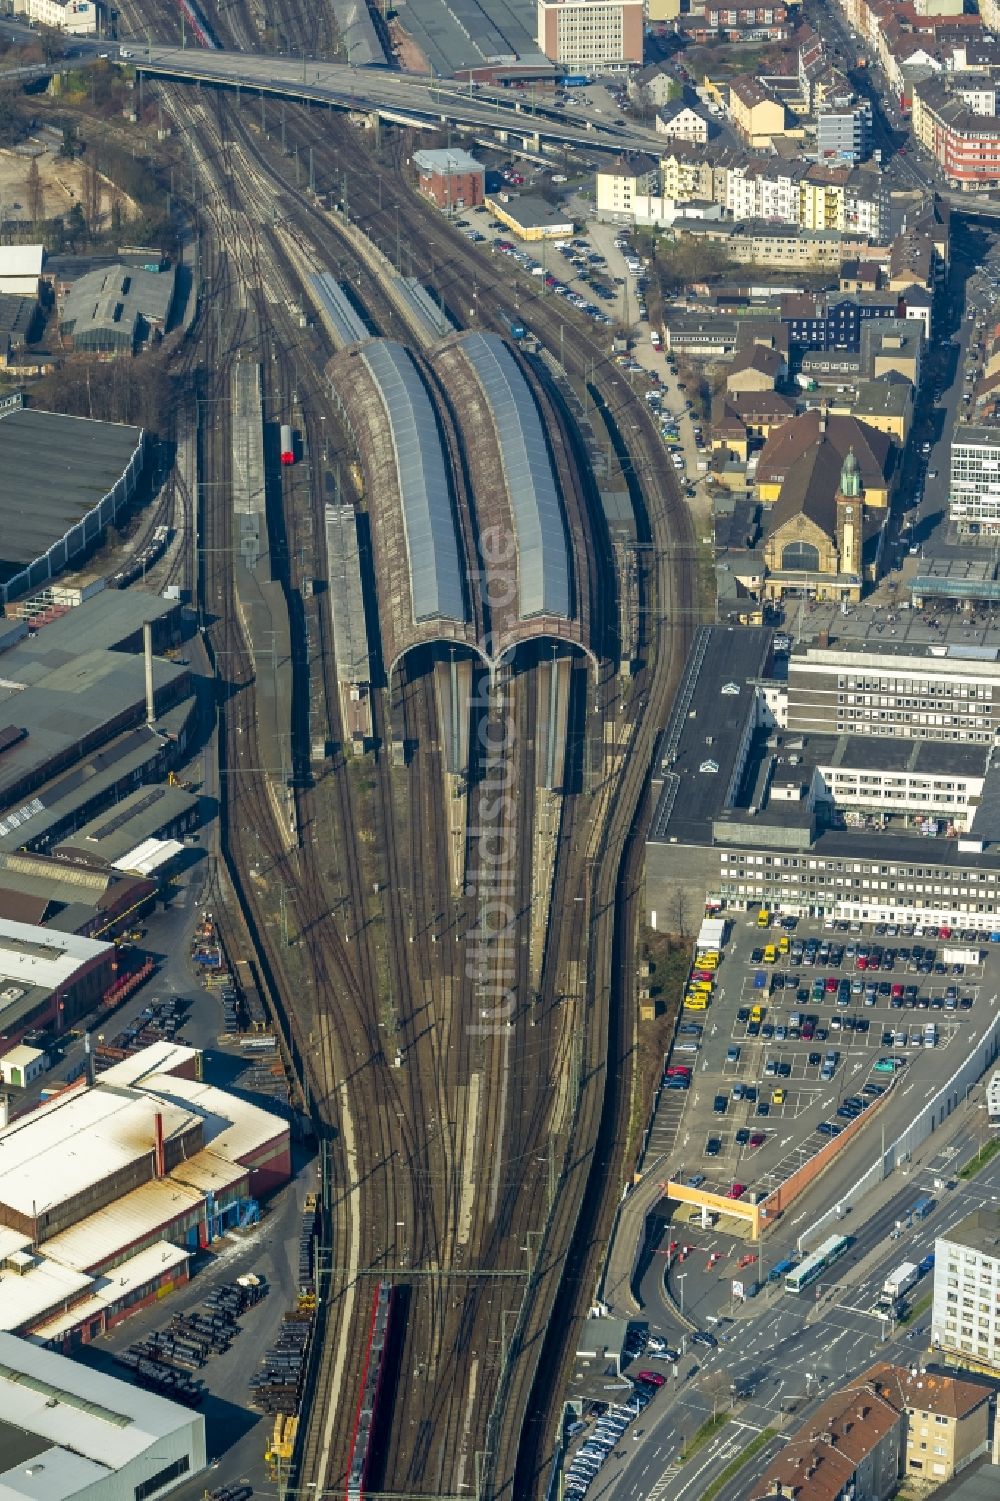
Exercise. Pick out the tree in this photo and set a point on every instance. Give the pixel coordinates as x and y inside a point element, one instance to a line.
<point>68,148</point>
<point>34,192</point>
<point>92,194</point>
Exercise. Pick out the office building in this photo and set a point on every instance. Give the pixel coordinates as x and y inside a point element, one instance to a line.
<point>974,491</point>
<point>453,179</point>
<point>591,36</point>
<point>843,132</point>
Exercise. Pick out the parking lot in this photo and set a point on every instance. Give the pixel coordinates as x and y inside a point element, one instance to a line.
<point>808,1027</point>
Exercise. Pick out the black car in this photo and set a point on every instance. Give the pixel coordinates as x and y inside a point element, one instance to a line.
<point>698,1338</point>
<point>720,1104</point>
<point>757,957</point>
<point>743,1014</point>
<point>815,1059</point>
<point>742,1136</point>
<point>713,1147</point>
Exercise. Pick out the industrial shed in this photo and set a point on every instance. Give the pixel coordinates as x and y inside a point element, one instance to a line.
<point>116,309</point>
<point>67,1430</point>
<point>64,479</point>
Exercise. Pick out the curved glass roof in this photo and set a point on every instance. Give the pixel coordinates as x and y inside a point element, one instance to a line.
<point>428,520</point>
<point>542,559</point>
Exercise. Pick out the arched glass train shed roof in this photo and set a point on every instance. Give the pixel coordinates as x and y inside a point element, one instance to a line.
<point>428,519</point>
<point>542,559</point>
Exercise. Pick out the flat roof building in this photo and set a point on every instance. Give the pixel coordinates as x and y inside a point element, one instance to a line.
<point>21,268</point>
<point>965,1317</point>
<point>65,480</point>
<point>974,488</point>
<point>530,218</point>
<point>591,36</point>
<point>49,978</point>
<point>452,178</point>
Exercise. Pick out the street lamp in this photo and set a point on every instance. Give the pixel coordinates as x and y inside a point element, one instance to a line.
<point>680,1289</point>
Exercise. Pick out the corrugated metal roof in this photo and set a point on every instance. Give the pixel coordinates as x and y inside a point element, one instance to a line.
<point>139,1271</point>
<point>150,855</point>
<point>542,558</point>
<point>101,1238</point>
<point>26,1297</point>
<point>105,1421</point>
<point>347,324</point>
<point>233,1127</point>
<point>428,519</point>
<point>76,1140</point>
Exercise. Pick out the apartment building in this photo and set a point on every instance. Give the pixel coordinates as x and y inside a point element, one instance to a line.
<point>965,144</point>
<point>757,115</point>
<point>78,17</point>
<point>591,36</point>
<point>850,1447</point>
<point>627,178</point>
<point>965,1317</point>
<point>974,489</point>
<point>747,23</point>
<point>844,131</point>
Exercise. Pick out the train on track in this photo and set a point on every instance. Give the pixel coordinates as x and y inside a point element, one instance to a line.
<point>137,566</point>
<point>513,325</point>
<point>373,1374</point>
<point>287,444</point>
<point>200,28</point>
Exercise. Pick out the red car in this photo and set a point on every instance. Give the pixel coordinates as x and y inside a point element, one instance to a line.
<point>678,1071</point>
<point>830,984</point>
<point>736,1191</point>
<point>757,1139</point>
<point>651,1378</point>
<point>861,962</point>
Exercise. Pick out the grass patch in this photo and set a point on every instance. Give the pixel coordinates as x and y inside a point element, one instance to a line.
<point>917,1310</point>
<point>735,1466</point>
<point>982,1157</point>
<point>707,1431</point>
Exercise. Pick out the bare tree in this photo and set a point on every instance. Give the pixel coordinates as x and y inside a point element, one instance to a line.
<point>34,192</point>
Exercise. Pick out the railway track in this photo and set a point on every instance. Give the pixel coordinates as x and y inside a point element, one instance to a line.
<point>368,977</point>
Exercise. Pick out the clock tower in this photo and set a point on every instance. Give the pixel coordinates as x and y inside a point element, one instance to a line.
<point>850,503</point>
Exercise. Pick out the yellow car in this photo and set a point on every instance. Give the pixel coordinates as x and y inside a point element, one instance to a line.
<point>783,944</point>
<point>704,986</point>
<point>777,1097</point>
<point>770,954</point>
<point>764,918</point>
<point>695,1003</point>
<point>708,960</point>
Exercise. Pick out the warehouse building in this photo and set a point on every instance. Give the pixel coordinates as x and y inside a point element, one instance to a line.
<point>107,1191</point>
<point>21,269</point>
<point>453,179</point>
<point>530,218</point>
<point>66,692</point>
<point>70,897</point>
<point>148,813</point>
<point>66,479</point>
<point>49,979</point>
<point>68,1431</point>
<point>116,309</point>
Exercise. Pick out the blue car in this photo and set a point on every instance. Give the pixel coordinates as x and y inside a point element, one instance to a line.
<point>759,980</point>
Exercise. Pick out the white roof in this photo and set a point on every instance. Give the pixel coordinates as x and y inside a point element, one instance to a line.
<point>233,1127</point>
<point>26,1296</point>
<point>21,260</point>
<point>21,1056</point>
<point>41,956</point>
<point>149,856</point>
<point>138,1272</point>
<point>157,1058</point>
<point>12,1241</point>
<point>75,1140</point>
<point>98,1423</point>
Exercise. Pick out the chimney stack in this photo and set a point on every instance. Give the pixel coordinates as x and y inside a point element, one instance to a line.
<point>159,1159</point>
<point>147,647</point>
<point>88,1059</point>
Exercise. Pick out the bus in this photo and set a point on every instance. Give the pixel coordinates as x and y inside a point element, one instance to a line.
<point>807,1271</point>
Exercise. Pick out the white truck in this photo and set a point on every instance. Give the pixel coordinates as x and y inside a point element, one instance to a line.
<point>952,955</point>
<point>899,1282</point>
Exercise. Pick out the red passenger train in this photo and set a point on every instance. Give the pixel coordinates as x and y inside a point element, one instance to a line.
<point>372,1374</point>
<point>287,444</point>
